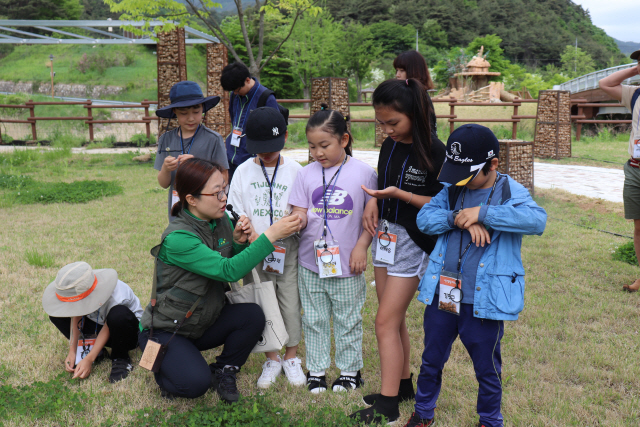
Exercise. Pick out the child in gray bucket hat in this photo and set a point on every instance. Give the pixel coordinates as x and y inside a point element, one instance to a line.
<point>94,310</point>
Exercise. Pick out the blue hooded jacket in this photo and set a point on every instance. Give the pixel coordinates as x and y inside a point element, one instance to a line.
<point>499,293</point>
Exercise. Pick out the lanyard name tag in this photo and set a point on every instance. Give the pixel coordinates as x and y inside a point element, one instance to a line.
<point>450,295</point>
<point>174,197</point>
<point>84,347</point>
<point>386,246</point>
<point>153,355</point>
<point>636,148</point>
<point>236,136</point>
<point>274,263</point>
<point>328,260</point>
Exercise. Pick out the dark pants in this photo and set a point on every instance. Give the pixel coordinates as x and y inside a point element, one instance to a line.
<point>184,372</point>
<point>481,338</point>
<point>123,330</point>
<point>232,170</point>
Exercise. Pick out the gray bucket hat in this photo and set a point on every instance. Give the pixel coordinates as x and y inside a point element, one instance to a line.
<point>78,290</point>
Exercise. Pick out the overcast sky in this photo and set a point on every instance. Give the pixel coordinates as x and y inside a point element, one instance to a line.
<point>619,18</point>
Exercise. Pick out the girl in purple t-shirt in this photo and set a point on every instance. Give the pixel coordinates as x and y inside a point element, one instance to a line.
<point>328,197</point>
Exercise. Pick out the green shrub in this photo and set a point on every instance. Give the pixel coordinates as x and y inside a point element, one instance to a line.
<point>625,253</point>
<point>109,140</point>
<point>140,139</point>
<point>66,192</point>
<point>38,259</point>
<point>14,182</point>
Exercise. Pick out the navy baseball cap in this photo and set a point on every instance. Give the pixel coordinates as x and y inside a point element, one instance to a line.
<point>468,149</point>
<point>265,131</point>
<point>186,94</point>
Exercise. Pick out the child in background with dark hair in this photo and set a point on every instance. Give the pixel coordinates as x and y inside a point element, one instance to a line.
<point>190,139</point>
<point>329,198</point>
<point>408,166</point>
<point>246,95</point>
<point>411,65</point>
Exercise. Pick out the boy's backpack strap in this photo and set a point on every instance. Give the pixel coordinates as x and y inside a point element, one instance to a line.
<point>262,101</point>
<point>453,195</point>
<point>634,98</point>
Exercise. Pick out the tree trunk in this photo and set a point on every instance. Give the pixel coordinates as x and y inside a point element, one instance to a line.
<point>255,71</point>
<point>305,95</point>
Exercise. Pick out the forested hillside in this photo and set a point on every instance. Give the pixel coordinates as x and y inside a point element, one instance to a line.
<point>533,32</point>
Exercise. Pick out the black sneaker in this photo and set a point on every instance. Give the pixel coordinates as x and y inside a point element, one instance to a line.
<point>377,414</point>
<point>347,382</point>
<point>416,421</point>
<point>120,369</point>
<point>405,392</point>
<point>316,384</point>
<point>224,382</point>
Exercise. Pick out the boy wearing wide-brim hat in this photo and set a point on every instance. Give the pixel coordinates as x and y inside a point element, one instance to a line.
<point>260,191</point>
<point>630,98</point>
<point>475,277</point>
<point>190,139</point>
<point>93,309</point>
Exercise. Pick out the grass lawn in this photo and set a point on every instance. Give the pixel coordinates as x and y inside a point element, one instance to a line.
<point>571,358</point>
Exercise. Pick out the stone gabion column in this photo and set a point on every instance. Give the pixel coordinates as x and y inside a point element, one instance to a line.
<point>380,135</point>
<point>553,124</point>
<point>217,118</point>
<point>333,91</point>
<point>172,68</point>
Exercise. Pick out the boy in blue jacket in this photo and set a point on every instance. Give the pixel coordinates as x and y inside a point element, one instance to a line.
<point>475,278</point>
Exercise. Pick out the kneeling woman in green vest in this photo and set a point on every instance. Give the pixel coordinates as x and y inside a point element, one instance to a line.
<point>198,254</point>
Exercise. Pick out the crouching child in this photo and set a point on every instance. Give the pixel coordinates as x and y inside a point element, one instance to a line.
<point>475,278</point>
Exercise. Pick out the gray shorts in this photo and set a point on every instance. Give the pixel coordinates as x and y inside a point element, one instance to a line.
<point>631,192</point>
<point>410,260</point>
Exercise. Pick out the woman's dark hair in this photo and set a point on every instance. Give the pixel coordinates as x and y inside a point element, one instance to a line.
<point>415,66</point>
<point>410,98</point>
<point>191,177</point>
<point>333,122</point>
<point>233,76</point>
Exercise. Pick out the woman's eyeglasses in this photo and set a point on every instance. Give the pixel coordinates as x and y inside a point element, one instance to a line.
<point>221,195</point>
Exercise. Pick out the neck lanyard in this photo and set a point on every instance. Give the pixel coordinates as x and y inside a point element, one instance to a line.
<point>325,187</point>
<point>270,183</point>
<point>398,184</point>
<point>461,252</point>
<point>193,138</point>
<point>81,329</point>
<point>239,114</point>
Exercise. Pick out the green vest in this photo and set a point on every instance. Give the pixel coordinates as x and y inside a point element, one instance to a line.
<point>178,288</point>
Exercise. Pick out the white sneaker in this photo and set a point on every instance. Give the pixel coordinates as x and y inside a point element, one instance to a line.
<point>270,371</point>
<point>293,371</point>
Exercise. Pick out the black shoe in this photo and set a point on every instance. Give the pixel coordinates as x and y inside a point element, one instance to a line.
<point>224,382</point>
<point>385,409</point>
<point>316,384</point>
<point>416,421</point>
<point>405,392</point>
<point>120,369</point>
<point>347,382</point>
<point>166,395</point>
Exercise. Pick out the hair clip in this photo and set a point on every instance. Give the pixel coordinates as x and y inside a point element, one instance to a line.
<point>407,82</point>
<point>322,108</point>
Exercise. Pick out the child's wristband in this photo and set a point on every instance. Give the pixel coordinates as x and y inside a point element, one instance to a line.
<point>410,198</point>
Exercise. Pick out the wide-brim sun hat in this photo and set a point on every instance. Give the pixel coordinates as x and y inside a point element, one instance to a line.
<point>78,290</point>
<point>186,94</point>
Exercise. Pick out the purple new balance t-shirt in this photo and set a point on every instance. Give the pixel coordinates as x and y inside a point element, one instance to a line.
<point>345,207</point>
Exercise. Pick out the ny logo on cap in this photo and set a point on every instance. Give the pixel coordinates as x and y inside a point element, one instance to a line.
<point>456,148</point>
<point>275,131</point>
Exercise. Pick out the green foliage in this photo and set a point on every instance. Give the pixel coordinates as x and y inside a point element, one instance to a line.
<point>109,140</point>
<point>140,139</point>
<point>26,191</point>
<point>100,61</point>
<point>41,400</point>
<point>454,62</point>
<point>38,259</point>
<point>433,35</point>
<point>358,52</point>
<point>393,38</point>
<point>14,182</point>
<point>576,62</point>
<point>249,411</point>
<point>625,253</point>
<point>41,9</point>
<point>494,53</point>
